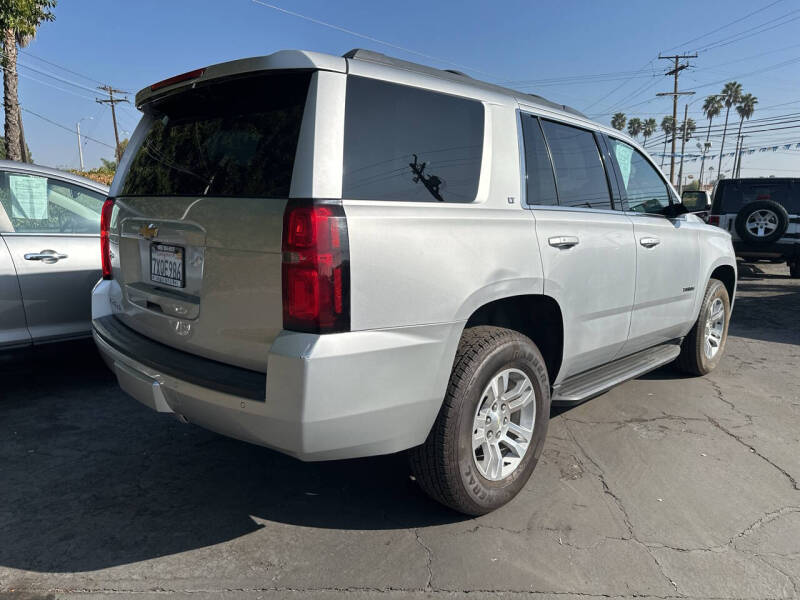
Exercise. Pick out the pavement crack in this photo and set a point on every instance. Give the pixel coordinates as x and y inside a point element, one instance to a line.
<point>784,472</point>
<point>429,559</point>
<point>621,506</point>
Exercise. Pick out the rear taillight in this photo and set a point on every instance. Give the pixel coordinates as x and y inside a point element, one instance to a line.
<point>105,248</point>
<point>316,268</point>
<point>713,220</point>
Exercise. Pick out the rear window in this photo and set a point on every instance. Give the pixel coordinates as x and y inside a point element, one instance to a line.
<point>732,196</point>
<point>404,143</point>
<point>235,137</point>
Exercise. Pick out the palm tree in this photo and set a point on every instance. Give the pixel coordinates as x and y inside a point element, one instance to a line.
<point>634,127</point>
<point>730,95</point>
<point>648,128</point>
<point>618,121</point>
<point>712,106</point>
<point>745,108</point>
<point>18,23</point>
<point>668,127</point>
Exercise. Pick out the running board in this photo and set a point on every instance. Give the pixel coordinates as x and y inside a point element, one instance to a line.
<point>586,385</point>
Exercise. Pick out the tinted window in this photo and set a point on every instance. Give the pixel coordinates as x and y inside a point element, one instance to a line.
<point>404,143</point>
<point>540,185</point>
<point>644,190</point>
<point>232,138</point>
<point>37,204</point>
<point>580,173</point>
<point>736,194</point>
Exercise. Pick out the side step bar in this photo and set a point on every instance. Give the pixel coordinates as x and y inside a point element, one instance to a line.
<point>586,385</point>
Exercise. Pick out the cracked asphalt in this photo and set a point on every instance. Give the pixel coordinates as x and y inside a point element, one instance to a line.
<point>665,487</point>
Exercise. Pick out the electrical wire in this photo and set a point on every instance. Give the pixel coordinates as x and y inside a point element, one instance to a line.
<point>35,114</point>
<point>713,31</point>
<point>367,37</point>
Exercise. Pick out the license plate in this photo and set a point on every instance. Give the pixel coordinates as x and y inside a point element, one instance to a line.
<point>167,265</point>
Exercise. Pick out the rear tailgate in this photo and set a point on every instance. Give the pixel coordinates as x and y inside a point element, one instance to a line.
<point>199,217</point>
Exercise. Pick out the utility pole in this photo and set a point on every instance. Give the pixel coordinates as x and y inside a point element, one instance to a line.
<point>113,101</point>
<point>740,154</point>
<point>80,147</point>
<point>675,93</point>
<point>683,147</point>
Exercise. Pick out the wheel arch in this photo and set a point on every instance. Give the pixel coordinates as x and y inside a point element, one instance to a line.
<point>536,316</point>
<point>727,275</point>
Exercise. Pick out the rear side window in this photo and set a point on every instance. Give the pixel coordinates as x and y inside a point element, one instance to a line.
<point>234,137</point>
<point>580,174</point>
<point>540,185</point>
<point>37,204</point>
<point>409,144</point>
<point>644,189</point>
<point>735,195</point>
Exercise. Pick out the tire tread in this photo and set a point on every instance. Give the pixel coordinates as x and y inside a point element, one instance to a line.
<point>430,460</point>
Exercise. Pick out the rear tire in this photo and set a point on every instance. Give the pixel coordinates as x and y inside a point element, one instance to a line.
<point>702,349</point>
<point>794,268</point>
<point>449,466</point>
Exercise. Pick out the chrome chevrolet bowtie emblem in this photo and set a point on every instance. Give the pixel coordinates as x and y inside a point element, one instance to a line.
<point>148,231</point>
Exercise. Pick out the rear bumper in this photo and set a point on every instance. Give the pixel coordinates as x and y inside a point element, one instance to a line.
<point>326,397</point>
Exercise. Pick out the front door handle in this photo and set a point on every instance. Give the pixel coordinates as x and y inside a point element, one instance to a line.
<point>649,242</point>
<point>46,256</point>
<point>563,241</point>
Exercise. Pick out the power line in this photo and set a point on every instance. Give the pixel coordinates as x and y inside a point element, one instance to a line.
<point>747,33</point>
<point>619,87</point>
<point>368,37</point>
<point>72,131</point>
<point>44,60</point>
<point>740,19</point>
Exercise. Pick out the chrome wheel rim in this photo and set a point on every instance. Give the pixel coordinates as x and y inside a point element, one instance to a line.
<point>762,223</point>
<point>715,325</point>
<point>502,429</point>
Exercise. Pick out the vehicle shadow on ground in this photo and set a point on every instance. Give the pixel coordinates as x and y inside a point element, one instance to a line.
<point>755,271</point>
<point>91,479</point>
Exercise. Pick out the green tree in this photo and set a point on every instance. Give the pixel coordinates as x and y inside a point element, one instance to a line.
<point>712,106</point>
<point>745,108</point>
<point>19,20</point>
<point>649,127</point>
<point>668,127</point>
<point>634,127</point>
<point>618,121</point>
<point>730,96</point>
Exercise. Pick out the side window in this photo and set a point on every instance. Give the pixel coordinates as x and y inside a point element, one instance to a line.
<point>36,204</point>
<point>540,185</point>
<point>643,187</point>
<point>580,174</point>
<point>409,144</point>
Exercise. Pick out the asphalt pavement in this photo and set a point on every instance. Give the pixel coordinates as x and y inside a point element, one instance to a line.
<point>665,487</point>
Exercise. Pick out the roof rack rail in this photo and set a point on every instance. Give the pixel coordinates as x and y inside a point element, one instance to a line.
<point>453,75</point>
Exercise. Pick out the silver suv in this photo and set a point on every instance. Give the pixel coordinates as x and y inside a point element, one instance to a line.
<point>347,256</point>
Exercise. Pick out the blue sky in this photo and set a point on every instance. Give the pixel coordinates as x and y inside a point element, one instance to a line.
<point>561,50</point>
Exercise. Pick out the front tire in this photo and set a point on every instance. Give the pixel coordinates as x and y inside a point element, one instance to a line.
<point>491,427</point>
<point>702,349</point>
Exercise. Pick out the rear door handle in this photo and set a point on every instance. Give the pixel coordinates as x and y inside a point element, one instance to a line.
<point>649,242</point>
<point>563,241</point>
<point>46,256</point>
